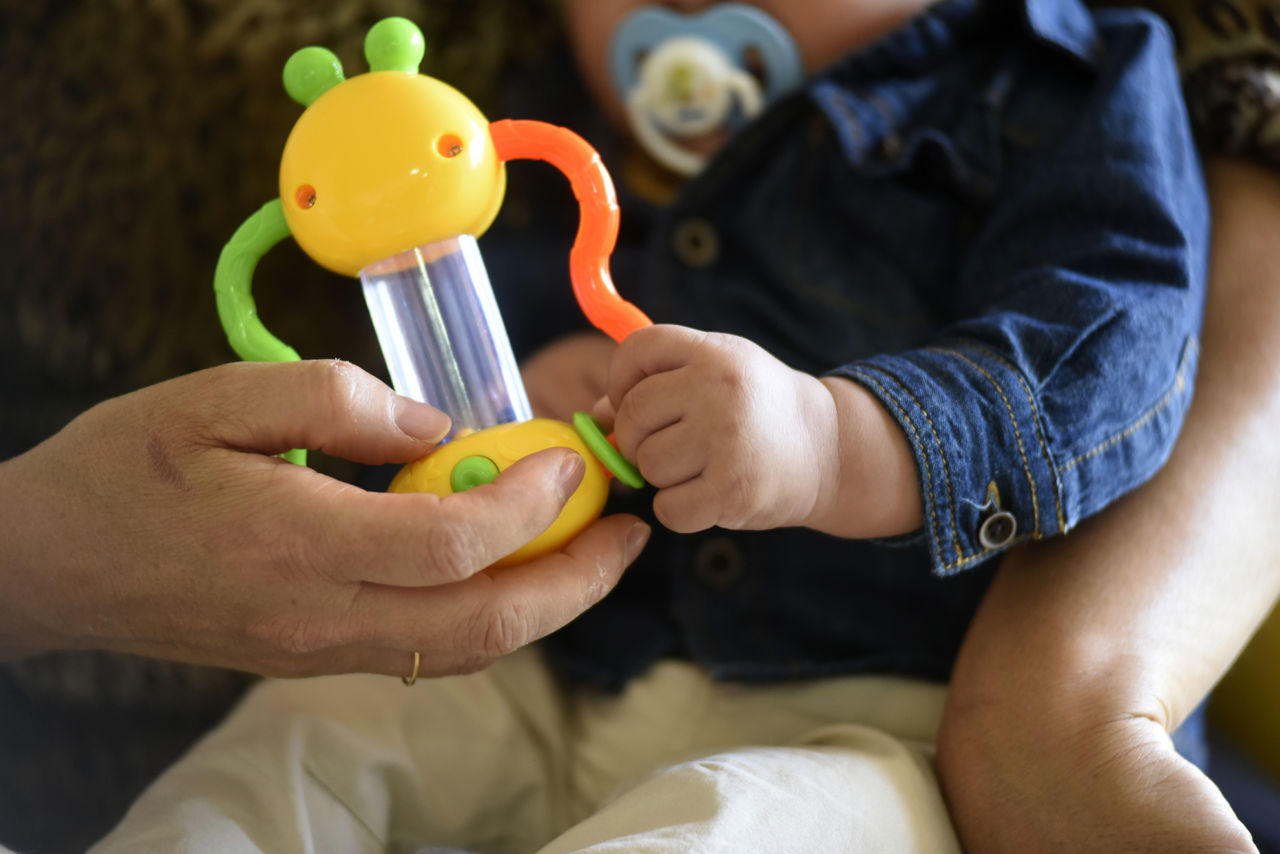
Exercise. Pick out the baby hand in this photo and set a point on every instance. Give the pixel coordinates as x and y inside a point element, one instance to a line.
<point>728,434</point>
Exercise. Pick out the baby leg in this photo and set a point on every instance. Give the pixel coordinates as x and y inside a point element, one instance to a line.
<point>679,763</point>
<point>363,763</point>
<point>858,790</point>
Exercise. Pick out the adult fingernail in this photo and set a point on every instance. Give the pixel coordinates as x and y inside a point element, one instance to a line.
<point>419,420</point>
<point>636,539</point>
<point>571,471</point>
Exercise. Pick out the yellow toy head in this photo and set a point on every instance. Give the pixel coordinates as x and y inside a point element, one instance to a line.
<point>385,161</point>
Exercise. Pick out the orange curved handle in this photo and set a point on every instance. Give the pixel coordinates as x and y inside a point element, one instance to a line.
<point>516,139</point>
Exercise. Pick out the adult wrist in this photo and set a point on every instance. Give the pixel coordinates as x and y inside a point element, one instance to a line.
<point>20,633</point>
<point>1036,650</point>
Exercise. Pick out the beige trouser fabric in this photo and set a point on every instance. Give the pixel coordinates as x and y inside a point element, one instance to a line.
<point>506,761</point>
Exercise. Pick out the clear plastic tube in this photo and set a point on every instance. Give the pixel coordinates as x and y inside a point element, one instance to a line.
<point>442,334</point>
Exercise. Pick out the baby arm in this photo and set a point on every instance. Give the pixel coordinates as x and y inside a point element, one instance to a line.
<point>730,436</point>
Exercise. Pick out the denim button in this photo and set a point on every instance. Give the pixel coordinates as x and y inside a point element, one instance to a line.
<point>695,242</point>
<point>997,529</point>
<point>718,562</point>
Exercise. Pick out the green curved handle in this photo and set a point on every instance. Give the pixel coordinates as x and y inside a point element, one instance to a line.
<point>233,287</point>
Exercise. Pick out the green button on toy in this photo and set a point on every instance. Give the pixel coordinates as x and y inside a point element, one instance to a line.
<point>472,471</point>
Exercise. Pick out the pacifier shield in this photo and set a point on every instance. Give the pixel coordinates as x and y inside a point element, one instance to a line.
<point>683,76</point>
<point>750,39</point>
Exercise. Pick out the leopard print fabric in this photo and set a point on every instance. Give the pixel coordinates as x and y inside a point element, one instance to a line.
<point>1229,52</point>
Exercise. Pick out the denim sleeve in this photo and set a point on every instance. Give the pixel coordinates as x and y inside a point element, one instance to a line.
<point>1065,381</point>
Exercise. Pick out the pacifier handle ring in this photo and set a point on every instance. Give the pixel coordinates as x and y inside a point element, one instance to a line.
<point>667,152</point>
<point>749,97</point>
<point>520,139</point>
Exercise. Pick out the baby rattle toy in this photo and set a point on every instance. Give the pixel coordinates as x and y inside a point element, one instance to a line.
<point>391,176</point>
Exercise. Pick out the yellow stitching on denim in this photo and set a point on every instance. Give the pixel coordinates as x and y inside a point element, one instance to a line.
<point>1179,384</point>
<point>1017,433</point>
<point>946,466</point>
<point>928,472</point>
<point>1035,413</point>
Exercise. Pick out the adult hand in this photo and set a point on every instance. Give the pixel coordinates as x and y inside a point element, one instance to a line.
<point>161,523</point>
<point>1055,736</point>
<point>1022,776</point>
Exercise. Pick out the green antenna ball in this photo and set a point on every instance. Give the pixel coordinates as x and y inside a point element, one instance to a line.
<point>310,73</point>
<point>394,44</point>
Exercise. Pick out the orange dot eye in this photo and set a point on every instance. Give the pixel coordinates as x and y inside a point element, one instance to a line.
<point>449,145</point>
<point>305,196</point>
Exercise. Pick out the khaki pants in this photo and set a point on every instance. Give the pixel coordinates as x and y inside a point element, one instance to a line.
<point>507,761</point>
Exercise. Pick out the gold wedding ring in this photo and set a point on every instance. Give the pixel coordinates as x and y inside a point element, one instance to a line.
<point>413,674</point>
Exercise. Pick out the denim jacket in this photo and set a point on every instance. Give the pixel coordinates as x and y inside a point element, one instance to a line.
<point>993,219</point>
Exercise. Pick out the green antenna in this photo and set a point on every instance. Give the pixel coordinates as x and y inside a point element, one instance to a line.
<point>394,44</point>
<point>310,73</point>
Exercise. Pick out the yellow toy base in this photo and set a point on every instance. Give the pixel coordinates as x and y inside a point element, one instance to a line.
<point>503,445</point>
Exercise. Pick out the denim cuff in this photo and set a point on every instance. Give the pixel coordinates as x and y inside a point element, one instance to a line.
<point>987,475</point>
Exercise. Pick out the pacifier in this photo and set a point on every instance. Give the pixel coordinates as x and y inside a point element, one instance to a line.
<point>683,77</point>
